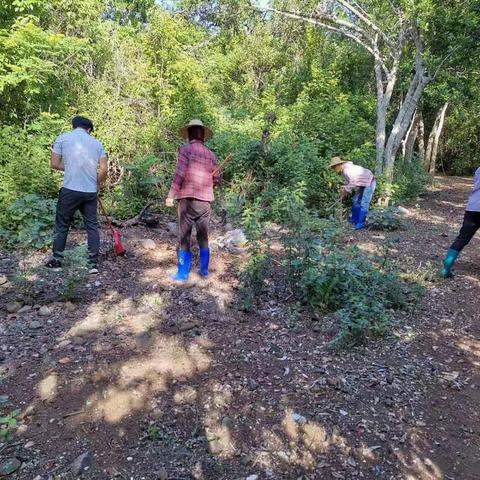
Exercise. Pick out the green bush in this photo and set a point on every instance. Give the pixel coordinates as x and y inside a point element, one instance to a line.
<point>145,180</point>
<point>75,268</point>
<point>28,222</point>
<point>388,219</point>
<point>360,289</point>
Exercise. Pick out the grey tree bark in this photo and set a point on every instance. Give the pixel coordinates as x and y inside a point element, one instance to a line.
<point>434,139</point>
<point>410,139</point>
<point>421,139</point>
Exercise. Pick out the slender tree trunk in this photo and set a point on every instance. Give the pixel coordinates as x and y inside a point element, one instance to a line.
<point>436,134</point>
<point>384,95</point>
<point>421,139</point>
<point>410,139</point>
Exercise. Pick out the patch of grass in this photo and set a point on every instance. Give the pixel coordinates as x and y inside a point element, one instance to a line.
<point>8,425</point>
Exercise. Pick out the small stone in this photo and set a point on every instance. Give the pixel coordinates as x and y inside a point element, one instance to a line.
<point>9,466</point>
<point>344,413</point>
<point>64,343</point>
<point>97,283</point>
<point>252,384</point>
<point>44,311</point>
<point>351,462</point>
<point>64,360</point>
<point>25,309</point>
<point>148,244</point>
<point>129,459</point>
<point>299,418</point>
<point>34,325</point>
<point>162,474</point>
<point>252,477</point>
<point>3,279</point>
<point>389,403</point>
<point>227,422</point>
<point>4,399</point>
<point>70,307</point>
<point>335,381</point>
<point>215,447</point>
<point>81,463</point>
<point>29,445</point>
<point>185,326</point>
<point>14,307</point>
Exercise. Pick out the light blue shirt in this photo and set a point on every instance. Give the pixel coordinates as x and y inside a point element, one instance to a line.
<point>81,154</point>
<point>474,199</point>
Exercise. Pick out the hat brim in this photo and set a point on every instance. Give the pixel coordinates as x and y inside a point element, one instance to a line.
<point>184,132</point>
<point>335,164</point>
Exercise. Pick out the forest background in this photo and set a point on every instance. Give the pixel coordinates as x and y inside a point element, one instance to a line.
<point>283,90</point>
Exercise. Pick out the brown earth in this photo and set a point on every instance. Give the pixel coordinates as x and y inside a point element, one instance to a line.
<point>160,381</point>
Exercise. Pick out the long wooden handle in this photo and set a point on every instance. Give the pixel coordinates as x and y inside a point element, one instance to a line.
<point>227,159</point>
<point>102,208</point>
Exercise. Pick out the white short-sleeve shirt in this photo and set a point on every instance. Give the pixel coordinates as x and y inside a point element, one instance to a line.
<point>81,154</point>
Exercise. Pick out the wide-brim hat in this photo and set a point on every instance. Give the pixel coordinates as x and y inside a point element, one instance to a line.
<point>336,161</point>
<point>195,123</point>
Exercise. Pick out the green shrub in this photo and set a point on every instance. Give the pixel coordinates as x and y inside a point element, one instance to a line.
<point>28,222</point>
<point>388,219</point>
<point>74,273</point>
<point>145,180</point>
<point>347,281</point>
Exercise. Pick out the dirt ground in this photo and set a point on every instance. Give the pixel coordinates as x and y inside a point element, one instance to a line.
<point>152,380</point>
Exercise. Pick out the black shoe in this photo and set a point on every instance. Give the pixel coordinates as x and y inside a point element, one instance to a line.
<point>54,263</point>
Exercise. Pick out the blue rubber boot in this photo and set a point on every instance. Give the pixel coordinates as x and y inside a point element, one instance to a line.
<point>355,212</point>
<point>361,219</point>
<point>184,266</point>
<point>204,261</point>
<point>448,262</point>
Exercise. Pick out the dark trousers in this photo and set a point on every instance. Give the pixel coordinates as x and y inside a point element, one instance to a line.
<point>69,201</point>
<point>192,211</point>
<point>471,223</point>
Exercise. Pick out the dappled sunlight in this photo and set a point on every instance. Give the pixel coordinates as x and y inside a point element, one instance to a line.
<point>140,379</point>
<point>47,388</point>
<point>305,440</point>
<point>418,468</point>
<point>217,398</point>
<point>470,346</point>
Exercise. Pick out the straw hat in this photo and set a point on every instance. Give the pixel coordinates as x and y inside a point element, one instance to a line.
<point>195,123</point>
<point>336,161</point>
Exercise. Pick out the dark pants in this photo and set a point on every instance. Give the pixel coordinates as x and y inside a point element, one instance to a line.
<point>191,211</point>
<point>69,201</point>
<point>471,223</point>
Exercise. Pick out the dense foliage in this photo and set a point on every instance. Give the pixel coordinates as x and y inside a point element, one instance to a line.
<point>281,95</point>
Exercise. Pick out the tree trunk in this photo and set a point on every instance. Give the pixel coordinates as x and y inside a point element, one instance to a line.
<point>403,120</point>
<point>384,96</point>
<point>410,139</point>
<point>436,134</point>
<point>421,139</point>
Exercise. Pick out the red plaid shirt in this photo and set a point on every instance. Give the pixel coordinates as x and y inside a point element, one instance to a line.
<point>194,174</point>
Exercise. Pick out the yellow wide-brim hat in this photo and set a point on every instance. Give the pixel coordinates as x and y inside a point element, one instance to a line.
<point>336,161</point>
<point>195,123</point>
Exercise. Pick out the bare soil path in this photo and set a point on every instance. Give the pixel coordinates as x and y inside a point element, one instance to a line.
<point>152,380</point>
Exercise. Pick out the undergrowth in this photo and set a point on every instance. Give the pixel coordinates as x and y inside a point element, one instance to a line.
<point>327,277</point>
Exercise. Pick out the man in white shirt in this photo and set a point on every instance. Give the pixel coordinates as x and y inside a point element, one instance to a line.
<point>83,160</point>
<point>359,181</point>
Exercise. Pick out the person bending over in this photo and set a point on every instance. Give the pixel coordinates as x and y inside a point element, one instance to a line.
<point>83,160</point>
<point>359,181</point>
<point>195,176</point>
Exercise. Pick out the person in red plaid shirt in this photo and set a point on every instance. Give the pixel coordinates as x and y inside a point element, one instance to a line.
<point>195,176</point>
